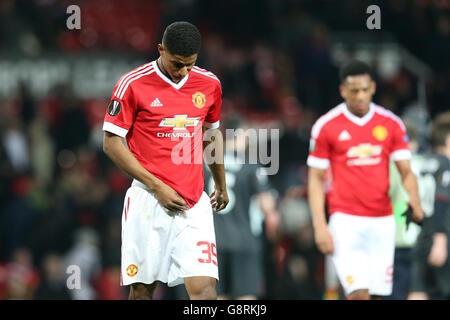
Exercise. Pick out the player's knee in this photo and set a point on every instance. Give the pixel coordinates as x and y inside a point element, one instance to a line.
<point>140,291</point>
<point>205,292</point>
<point>359,295</point>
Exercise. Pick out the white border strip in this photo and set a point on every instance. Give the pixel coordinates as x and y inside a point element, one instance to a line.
<point>111,127</point>
<point>402,154</point>
<point>318,162</point>
<point>213,125</point>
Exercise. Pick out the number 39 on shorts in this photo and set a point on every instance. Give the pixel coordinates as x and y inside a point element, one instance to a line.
<point>209,253</point>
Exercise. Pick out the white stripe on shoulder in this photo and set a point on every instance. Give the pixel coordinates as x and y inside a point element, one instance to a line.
<point>124,85</point>
<point>137,76</point>
<point>389,114</point>
<point>126,75</point>
<point>333,113</point>
<point>202,70</point>
<point>206,74</point>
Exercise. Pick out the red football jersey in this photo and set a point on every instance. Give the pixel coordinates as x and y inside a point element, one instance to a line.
<point>358,151</point>
<point>162,122</point>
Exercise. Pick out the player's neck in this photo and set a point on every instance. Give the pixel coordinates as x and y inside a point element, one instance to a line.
<point>163,71</point>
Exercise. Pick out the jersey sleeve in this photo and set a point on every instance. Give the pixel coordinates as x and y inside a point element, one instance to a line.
<point>121,111</point>
<point>319,149</point>
<point>212,120</point>
<point>399,146</point>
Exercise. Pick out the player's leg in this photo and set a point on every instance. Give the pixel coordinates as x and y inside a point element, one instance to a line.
<point>362,294</point>
<point>223,287</point>
<point>381,247</point>
<point>350,257</point>
<point>201,288</point>
<point>193,252</point>
<point>142,291</point>
<point>145,230</point>
<point>246,273</point>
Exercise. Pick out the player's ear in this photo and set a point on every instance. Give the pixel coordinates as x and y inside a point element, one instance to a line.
<point>160,49</point>
<point>343,91</point>
<point>373,86</point>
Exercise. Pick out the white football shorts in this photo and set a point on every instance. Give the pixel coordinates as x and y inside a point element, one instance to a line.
<point>363,252</point>
<point>160,245</point>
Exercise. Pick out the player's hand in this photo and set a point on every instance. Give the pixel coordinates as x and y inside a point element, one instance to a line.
<point>324,240</point>
<point>170,199</point>
<point>413,215</point>
<point>418,214</point>
<point>438,253</point>
<point>219,199</point>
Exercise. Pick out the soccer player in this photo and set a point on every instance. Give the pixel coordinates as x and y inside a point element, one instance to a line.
<point>356,139</point>
<point>161,108</point>
<point>431,265</point>
<point>239,227</point>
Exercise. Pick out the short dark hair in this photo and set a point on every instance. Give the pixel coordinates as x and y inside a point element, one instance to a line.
<point>440,131</point>
<point>182,38</point>
<point>354,68</point>
<point>411,130</point>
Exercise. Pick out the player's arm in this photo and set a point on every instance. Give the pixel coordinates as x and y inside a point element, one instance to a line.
<point>267,203</point>
<point>409,182</point>
<point>213,152</point>
<point>316,199</point>
<point>115,149</point>
<point>439,250</point>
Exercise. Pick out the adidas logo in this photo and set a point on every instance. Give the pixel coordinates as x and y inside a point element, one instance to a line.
<point>344,136</point>
<point>156,103</point>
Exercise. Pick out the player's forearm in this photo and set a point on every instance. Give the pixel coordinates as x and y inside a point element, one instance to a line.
<point>316,199</point>
<point>218,174</point>
<point>409,182</point>
<point>213,152</point>
<point>122,157</point>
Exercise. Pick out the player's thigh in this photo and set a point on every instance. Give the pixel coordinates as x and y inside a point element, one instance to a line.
<point>246,274</point>
<point>193,251</point>
<point>381,244</point>
<point>350,257</point>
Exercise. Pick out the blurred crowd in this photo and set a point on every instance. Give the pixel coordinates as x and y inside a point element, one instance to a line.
<point>61,198</point>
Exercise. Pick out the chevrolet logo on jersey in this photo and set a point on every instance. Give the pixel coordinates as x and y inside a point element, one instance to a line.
<point>179,122</point>
<point>364,150</point>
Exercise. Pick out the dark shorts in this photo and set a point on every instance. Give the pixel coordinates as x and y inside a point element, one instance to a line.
<point>240,273</point>
<point>431,280</point>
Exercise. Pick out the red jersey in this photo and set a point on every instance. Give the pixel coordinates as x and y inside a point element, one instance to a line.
<point>358,151</point>
<point>162,122</point>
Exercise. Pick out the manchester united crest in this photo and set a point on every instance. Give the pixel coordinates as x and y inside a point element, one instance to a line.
<point>380,133</point>
<point>199,99</point>
<point>132,270</point>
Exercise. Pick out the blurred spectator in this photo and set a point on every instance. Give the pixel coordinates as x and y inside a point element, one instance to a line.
<point>299,261</point>
<point>85,254</point>
<point>107,284</point>
<point>53,280</point>
<point>19,277</point>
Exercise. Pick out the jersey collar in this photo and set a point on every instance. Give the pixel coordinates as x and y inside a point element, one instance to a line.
<point>357,120</point>
<point>163,76</point>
